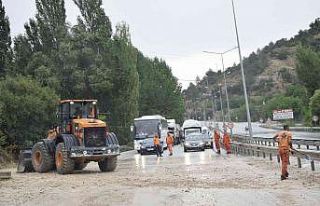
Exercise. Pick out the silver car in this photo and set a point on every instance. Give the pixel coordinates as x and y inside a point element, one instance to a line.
<point>194,141</point>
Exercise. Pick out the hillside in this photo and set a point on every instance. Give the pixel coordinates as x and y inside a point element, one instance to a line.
<point>269,72</point>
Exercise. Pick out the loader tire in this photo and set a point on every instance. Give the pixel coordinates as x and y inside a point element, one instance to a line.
<point>64,163</point>
<point>80,166</point>
<point>108,164</point>
<point>42,160</point>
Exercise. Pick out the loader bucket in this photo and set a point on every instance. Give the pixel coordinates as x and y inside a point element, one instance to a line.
<point>25,161</point>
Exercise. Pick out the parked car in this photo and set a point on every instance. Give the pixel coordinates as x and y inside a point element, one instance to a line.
<point>147,146</point>
<point>207,138</point>
<point>194,141</point>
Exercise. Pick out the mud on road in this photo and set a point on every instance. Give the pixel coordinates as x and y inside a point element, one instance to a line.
<point>195,178</point>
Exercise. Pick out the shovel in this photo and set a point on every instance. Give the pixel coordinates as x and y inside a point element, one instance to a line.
<point>305,155</point>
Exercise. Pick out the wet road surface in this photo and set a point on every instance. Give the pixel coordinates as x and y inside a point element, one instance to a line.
<point>193,178</point>
<point>258,131</point>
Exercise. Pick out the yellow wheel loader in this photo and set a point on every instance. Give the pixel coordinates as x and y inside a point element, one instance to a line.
<point>79,138</point>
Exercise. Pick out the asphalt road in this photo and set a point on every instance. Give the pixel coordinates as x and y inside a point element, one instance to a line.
<point>193,178</point>
<point>258,131</point>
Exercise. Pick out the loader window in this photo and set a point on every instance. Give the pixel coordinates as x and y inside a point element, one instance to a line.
<point>76,110</point>
<point>89,110</point>
<point>83,110</point>
<point>64,115</point>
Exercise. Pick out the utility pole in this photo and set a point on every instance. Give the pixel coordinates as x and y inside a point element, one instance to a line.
<point>242,73</point>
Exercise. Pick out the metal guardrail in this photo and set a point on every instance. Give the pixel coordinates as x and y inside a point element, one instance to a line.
<point>305,149</point>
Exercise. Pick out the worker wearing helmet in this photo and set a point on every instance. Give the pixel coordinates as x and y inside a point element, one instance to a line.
<point>284,145</point>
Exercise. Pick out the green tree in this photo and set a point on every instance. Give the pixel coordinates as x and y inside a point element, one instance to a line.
<point>27,109</point>
<point>308,68</point>
<point>125,90</point>
<point>299,91</point>
<point>160,92</point>
<point>94,18</point>
<point>283,102</point>
<point>92,46</point>
<point>22,54</point>
<point>5,42</point>
<point>51,23</point>
<point>315,103</point>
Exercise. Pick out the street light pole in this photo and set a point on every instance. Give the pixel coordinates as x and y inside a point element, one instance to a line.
<point>226,88</point>
<point>242,73</point>
<point>221,106</point>
<point>224,77</point>
<point>213,107</point>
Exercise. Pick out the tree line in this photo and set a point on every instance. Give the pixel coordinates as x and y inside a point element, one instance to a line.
<point>54,60</point>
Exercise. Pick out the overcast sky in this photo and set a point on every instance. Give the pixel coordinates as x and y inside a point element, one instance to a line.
<point>179,30</point>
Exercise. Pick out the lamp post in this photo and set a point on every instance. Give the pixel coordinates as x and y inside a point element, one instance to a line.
<point>224,76</point>
<point>214,106</point>
<point>221,106</point>
<point>242,73</point>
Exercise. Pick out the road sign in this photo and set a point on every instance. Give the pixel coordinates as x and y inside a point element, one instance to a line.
<point>282,114</point>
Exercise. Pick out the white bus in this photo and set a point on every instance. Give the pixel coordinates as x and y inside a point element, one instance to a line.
<point>145,128</point>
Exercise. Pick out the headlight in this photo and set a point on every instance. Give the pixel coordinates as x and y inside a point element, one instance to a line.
<point>201,143</point>
<point>187,143</point>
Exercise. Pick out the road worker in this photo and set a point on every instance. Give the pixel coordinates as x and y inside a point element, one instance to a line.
<point>226,141</point>
<point>216,139</point>
<point>170,142</point>
<point>285,146</point>
<point>157,146</point>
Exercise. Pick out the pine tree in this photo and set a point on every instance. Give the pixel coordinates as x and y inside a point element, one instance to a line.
<point>5,41</point>
<point>92,43</point>
<point>51,20</point>
<point>125,90</point>
<point>94,18</point>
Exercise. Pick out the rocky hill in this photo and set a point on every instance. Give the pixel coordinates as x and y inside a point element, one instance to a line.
<point>269,72</point>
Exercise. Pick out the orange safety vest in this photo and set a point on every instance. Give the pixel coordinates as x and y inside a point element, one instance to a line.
<point>284,140</point>
<point>226,139</point>
<point>169,139</point>
<point>216,135</point>
<point>156,140</point>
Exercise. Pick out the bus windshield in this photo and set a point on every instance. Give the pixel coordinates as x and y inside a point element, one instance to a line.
<point>146,128</point>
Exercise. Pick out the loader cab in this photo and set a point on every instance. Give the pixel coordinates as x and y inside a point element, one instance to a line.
<point>75,109</point>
